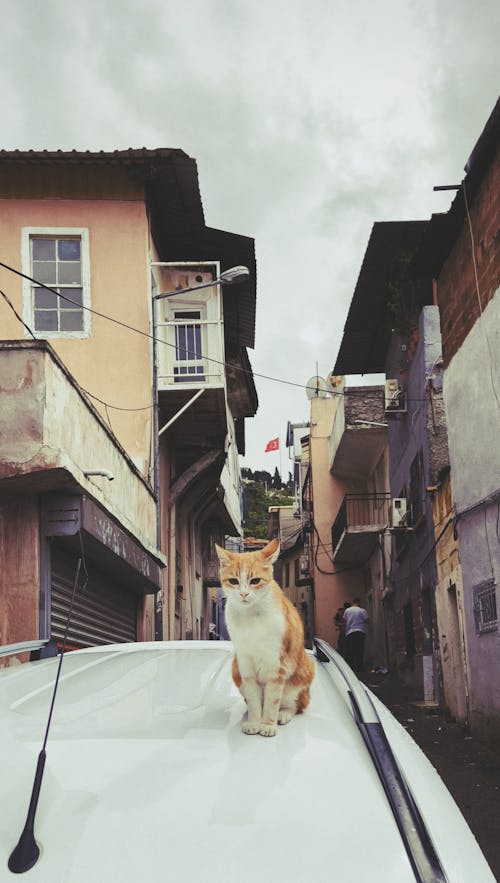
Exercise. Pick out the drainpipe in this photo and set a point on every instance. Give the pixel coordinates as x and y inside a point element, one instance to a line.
<point>156,471</point>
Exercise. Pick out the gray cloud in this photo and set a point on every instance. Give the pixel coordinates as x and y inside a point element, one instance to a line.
<point>309,120</point>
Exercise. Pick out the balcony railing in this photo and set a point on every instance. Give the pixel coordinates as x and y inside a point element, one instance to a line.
<point>360,518</point>
<point>192,354</point>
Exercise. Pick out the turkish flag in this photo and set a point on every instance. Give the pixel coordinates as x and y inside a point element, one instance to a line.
<point>272,445</point>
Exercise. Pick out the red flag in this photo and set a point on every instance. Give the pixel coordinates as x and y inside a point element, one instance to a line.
<point>272,445</point>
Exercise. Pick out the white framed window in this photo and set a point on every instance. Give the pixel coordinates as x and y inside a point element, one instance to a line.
<point>57,257</point>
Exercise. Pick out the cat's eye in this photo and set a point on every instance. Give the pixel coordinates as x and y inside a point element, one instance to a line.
<point>255,580</point>
<point>233,581</point>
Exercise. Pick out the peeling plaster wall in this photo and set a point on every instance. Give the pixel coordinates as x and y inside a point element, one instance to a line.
<point>450,606</point>
<point>46,424</point>
<point>19,571</point>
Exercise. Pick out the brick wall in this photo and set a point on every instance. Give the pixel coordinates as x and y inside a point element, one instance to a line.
<point>457,294</point>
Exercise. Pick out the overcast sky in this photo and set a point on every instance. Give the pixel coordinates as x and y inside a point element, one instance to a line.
<point>309,120</point>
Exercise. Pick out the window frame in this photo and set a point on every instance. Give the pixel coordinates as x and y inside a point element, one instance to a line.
<point>183,356</point>
<point>484,597</point>
<point>82,233</point>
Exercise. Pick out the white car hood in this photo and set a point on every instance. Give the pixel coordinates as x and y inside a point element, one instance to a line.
<point>149,777</point>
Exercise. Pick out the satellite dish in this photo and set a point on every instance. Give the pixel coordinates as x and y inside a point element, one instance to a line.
<point>316,387</point>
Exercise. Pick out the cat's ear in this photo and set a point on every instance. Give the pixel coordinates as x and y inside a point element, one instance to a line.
<point>223,555</point>
<point>272,550</point>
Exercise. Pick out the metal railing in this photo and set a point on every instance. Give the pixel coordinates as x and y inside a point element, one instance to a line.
<point>367,513</point>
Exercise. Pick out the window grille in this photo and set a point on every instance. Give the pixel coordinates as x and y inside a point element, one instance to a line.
<point>189,367</point>
<point>485,607</point>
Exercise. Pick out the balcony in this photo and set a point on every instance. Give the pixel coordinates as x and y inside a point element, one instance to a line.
<point>190,365</point>
<point>360,520</point>
<point>359,433</point>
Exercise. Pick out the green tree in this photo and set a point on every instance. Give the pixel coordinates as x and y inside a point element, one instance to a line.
<point>257,501</point>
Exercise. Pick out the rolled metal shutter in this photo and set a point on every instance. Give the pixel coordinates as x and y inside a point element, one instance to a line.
<point>102,612</point>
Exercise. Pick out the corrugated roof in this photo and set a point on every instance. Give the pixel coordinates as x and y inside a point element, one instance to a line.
<point>444,228</point>
<point>367,330</point>
<point>129,155</point>
<point>170,180</point>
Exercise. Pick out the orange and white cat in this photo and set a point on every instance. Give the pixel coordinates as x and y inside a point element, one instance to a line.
<point>271,667</point>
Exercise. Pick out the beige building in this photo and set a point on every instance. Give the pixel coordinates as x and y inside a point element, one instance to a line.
<point>292,568</point>
<point>346,510</point>
<point>128,405</point>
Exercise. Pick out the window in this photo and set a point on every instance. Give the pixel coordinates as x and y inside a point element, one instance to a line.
<point>485,607</point>
<point>188,347</point>
<point>59,260</point>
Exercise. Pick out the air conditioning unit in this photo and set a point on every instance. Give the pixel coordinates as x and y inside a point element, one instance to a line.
<point>399,512</point>
<point>395,399</point>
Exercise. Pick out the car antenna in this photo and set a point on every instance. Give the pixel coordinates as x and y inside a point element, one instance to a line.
<point>27,851</point>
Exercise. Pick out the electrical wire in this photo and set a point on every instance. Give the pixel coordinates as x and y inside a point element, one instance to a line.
<point>114,407</point>
<point>80,387</point>
<point>358,393</point>
<point>421,563</point>
<point>16,314</point>
<point>347,567</point>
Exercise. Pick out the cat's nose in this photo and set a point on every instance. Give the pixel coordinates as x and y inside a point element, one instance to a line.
<point>244,594</point>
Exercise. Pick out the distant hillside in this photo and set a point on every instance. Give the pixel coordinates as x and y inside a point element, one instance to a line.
<point>258,496</point>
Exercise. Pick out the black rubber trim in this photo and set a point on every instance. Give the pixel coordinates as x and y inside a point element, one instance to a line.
<point>412,828</point>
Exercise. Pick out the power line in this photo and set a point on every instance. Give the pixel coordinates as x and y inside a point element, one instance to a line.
<point>11,305</point>
<point>357,393</point>
<point>420,564</point>
<point>80,387</point>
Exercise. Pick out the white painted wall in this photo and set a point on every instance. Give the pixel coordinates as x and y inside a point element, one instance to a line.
<point>472,394</point>
<point>473,411</point>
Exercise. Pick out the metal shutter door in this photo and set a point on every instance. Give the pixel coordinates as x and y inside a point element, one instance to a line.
<point>102,613</point>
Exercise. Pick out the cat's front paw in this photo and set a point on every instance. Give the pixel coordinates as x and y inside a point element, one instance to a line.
<point>250,729</point>
<point>285,716</point>
<point>267,730</point>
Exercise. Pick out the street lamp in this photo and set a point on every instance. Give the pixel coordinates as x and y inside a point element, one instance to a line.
<point>233,276</point>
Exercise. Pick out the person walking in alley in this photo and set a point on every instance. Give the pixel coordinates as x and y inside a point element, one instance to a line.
<point>356,619</point>
<point>340,626</point>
